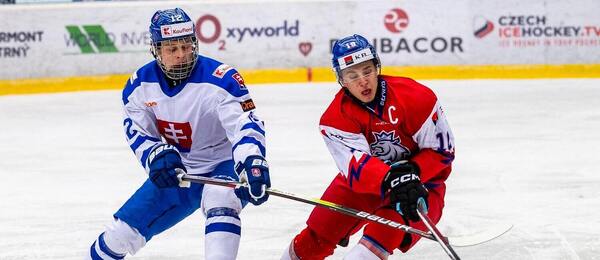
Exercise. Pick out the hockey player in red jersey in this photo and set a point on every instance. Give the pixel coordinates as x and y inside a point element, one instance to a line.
<point>392,144</point>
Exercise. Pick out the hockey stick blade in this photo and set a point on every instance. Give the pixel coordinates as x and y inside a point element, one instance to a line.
<point>316,202</point>
<point>480,237</point>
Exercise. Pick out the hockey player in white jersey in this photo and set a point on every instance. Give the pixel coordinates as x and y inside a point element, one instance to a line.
<point>187,113</point>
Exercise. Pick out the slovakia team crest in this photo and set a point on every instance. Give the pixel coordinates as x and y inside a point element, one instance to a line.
<point>176,134</point>
<point>387,147</point>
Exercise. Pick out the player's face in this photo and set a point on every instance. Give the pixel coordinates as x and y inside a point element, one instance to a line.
<point>361,81</point>
<point>176,53</point>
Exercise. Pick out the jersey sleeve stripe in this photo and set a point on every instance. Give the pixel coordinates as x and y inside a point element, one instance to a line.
<point>140,140</point>
<point>251,140</point>
<point>145,156</point>
<point>254,126</point>
<point>136,144</point>
<point>352,141</point>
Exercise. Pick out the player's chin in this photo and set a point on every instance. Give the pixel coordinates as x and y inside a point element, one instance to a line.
<point>365,99</point>
<point>369,99</point>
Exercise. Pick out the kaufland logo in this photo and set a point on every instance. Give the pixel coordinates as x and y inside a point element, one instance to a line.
<point>182,31</point>
<point>176,30</point>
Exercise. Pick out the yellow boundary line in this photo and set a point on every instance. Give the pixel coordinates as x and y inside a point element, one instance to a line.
<point>320,74</point>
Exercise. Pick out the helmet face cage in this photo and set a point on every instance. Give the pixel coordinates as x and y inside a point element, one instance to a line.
<point>182,69</point>
<point>172,33</point>
<point>350,51</point>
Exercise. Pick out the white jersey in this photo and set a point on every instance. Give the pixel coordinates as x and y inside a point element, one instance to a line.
<point>209,117</point>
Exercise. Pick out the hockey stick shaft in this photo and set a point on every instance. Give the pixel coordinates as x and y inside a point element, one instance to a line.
<point>443,241</point>
<point>317,202</point>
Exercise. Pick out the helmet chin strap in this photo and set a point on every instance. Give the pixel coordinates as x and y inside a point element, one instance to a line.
<point>173,82</point>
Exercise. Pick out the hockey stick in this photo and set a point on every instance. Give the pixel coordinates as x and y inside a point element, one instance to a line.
<point>443,241</point>
<point>457,241</point>
<point>317,202</point>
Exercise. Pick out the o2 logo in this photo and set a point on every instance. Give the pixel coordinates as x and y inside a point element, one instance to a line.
<point>209,29</point>
<point>210,21</point>
<point>395,20</point>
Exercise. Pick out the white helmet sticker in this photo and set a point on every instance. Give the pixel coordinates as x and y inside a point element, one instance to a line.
<point>355,58</point>
<point>176,30</point>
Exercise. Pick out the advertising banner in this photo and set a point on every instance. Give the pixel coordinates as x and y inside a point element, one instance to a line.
<point>103,38</point>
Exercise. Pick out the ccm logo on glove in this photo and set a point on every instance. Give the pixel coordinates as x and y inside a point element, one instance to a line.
<point>402,179</point>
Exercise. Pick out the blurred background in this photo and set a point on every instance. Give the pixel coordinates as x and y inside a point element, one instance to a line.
<point>59,44</point>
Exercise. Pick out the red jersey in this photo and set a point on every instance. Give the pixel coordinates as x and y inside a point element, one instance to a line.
<point>404,122</point>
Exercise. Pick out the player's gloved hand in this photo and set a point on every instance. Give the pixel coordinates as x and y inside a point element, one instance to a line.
<point>165,164</point>
<point>255,172</point>
<point>406,189</point>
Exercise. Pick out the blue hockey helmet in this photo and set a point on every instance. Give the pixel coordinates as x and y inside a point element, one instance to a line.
<point>350,51</point>
<point>174,27</point>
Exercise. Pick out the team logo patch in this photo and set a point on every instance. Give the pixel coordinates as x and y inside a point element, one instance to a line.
<point>256,172</point>
<point>387,147</point>
<point>237,77</point>
<point>176,134</point>
<point>221,70</point>
<point>247,105</point>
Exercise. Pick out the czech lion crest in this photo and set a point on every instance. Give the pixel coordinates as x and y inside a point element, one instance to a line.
<point>387,147</point>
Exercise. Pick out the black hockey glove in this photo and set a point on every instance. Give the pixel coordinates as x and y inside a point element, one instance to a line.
<point>164,163</point>
<point>406,189</point>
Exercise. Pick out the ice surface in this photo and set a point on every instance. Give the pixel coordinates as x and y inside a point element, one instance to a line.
<point>527,153</point>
